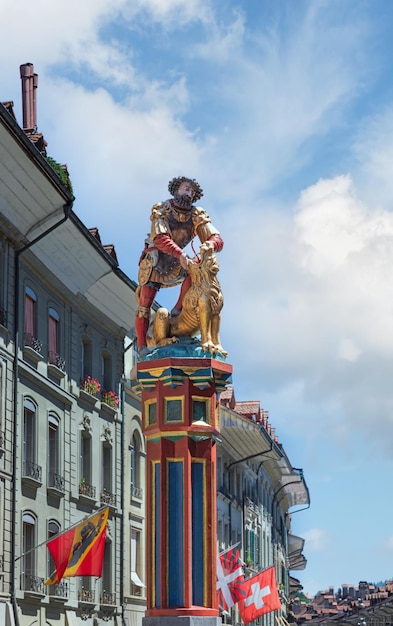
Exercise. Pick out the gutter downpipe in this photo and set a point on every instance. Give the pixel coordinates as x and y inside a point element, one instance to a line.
<point>122,401</point>
<point>123,414</point>
<point>67,210</point>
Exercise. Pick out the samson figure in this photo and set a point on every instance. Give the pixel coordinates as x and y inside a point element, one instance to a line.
<point>163,263</point>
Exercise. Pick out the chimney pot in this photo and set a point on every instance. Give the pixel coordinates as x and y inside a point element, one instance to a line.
<point>29,81</point>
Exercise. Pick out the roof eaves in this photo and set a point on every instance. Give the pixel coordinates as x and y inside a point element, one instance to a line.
<point>9,121</point>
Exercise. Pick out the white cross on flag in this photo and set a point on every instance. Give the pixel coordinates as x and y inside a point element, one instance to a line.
<point>261,596</point>
<point>230,579</point>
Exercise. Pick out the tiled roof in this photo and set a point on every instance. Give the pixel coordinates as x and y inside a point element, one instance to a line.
<point>10,108</point>
<point>109,248</point>
<point>248,408</point>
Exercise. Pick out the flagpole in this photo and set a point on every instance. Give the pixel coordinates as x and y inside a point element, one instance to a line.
<point>230,548</point>
<point>62,532</point>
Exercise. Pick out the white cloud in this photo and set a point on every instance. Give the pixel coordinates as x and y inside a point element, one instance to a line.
<point>311,308</point>
<point>317,540</point>
<point>373,148</point>
<point>389,543</point>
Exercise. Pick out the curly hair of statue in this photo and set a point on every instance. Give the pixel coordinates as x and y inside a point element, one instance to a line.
<point>175,183</point>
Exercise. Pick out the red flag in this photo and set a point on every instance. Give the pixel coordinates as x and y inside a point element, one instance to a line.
<point>80,550</point>
<point>261,596</point>
<point>230,579</point>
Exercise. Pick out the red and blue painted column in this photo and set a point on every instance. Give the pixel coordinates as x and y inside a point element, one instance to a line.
<point>181,422</point>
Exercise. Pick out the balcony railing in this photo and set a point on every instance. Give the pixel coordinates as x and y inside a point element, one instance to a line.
<point>3,317</point>
<point>56,360</point>
<point>55,481</point>
<point>108,498</point>
<point>33,471</point>
<point>86,595</point>
<point>136,492</point>
<point>33,343</point>
<point>59,591</point>
<point>32,583</point>
<point>87,490</point>
<point>108,598</point>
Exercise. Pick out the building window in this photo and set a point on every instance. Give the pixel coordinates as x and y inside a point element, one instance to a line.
<point>107,573</point>
<point>85,486</point>
<point>199,410</point>
<point>54,478</point>
<point>136,490</point>
<point>30,317</point>
<point>86,358</point>
<point>3,284</point>
<point>136,561</point>
<point>29,440</point>
<point>173,409</point>
<point>86,457</point>
<point>151,412</point>
<point>106,372</point>
<point>28,551</point>
<point>107,468</point>
<point>53,529</point>
<point>54,340</point>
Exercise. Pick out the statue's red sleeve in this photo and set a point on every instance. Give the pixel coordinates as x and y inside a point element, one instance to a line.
<point>218,243</point>
<point>166,244</point>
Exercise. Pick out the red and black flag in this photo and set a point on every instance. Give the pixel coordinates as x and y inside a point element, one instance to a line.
<point>230,579</point>
<point>79,551</point>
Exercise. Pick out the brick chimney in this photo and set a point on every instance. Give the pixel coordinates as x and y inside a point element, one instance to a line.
<point>29,100</point>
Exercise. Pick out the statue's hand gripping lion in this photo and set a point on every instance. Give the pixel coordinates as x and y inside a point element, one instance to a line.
<point>201,310</point>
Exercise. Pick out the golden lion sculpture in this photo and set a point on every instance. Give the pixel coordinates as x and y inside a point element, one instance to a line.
<point>201,310</point>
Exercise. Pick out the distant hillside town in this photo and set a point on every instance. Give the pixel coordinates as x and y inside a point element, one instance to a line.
<point>368,604</point>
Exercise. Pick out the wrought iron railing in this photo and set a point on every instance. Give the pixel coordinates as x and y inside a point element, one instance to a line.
<point>32,470</point>
<point>33,343</point>
<point>59,591</point>
<point>86,595</point>
<point>108,498</point>
<point>136,492</point>
<point>56,360</point>
<point>55,481</point>
<point>87,490</point>
<point>32,583</point>
<point>108,598</point>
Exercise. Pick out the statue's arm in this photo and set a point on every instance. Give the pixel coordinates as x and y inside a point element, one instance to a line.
<point>205,229</point>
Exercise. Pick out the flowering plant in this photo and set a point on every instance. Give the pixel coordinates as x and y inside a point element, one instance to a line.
<point>90,385</point>
<point>110,398</point>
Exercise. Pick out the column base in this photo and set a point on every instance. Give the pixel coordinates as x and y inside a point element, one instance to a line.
<point>181,620</point>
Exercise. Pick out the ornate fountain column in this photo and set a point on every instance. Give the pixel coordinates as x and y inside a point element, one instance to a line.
<point>180,422</point>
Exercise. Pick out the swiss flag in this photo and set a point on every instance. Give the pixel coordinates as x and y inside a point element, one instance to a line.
<point>261,596</point>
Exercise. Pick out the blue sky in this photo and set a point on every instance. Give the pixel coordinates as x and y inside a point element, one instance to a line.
<point>283,110</point>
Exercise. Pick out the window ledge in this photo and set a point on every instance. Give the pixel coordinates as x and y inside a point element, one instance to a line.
<point>88,398</point>
<point>55,371</point>
<point>32,482</point>
<point>56,493</point>
<point>57,599</point>
<point>32,355</point>
<point>34,595</point>
<point>109,410</point>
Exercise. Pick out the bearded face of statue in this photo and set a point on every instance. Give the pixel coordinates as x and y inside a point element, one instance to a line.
<point>184,195</point>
